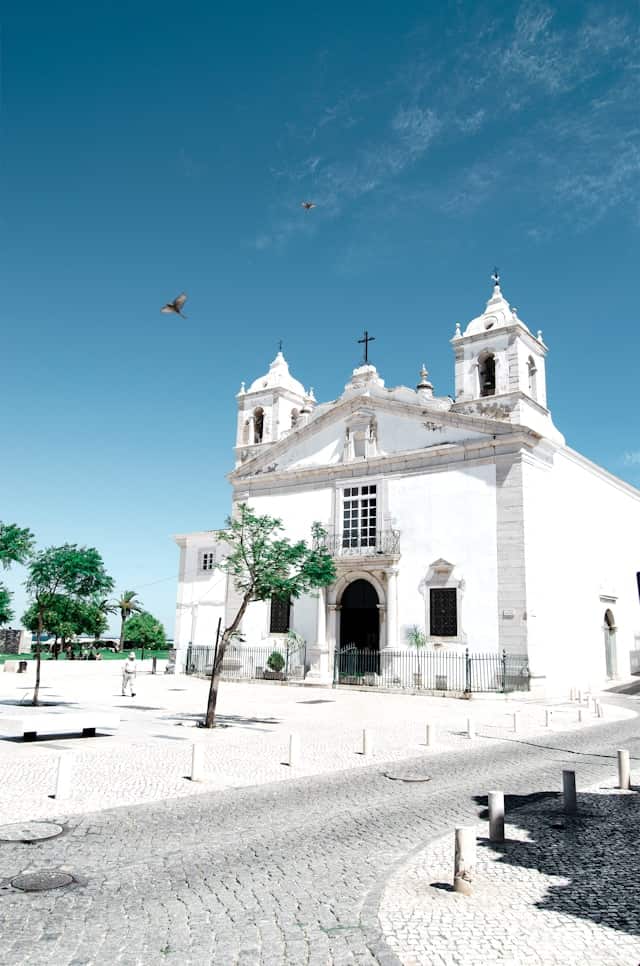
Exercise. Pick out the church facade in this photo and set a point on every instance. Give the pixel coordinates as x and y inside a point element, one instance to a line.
<point>468,519</point>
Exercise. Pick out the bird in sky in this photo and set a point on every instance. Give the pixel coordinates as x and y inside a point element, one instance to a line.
<point>307,205</point>
<point>175,306</point>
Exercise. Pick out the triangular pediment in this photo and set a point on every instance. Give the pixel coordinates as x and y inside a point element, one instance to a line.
<point>366,427</point>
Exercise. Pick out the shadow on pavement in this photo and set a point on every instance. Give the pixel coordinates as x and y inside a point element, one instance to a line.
<point>594,853</point>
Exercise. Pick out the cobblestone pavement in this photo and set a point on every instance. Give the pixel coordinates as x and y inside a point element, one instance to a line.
<point>561,890</point>
<point>282,873</point>
<point>147,758</point>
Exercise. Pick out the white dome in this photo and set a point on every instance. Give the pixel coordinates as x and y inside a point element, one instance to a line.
<point>278,377</point>
<point>497,315</point>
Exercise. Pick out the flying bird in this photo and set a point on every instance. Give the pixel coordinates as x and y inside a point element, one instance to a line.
<point>307,205</point>
<point>175,306</point>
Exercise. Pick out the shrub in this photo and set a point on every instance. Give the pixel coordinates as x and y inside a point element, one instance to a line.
<point>275,661</point>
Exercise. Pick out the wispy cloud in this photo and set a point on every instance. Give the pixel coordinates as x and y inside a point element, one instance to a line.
<point>530,105</point>
<point>632,458</point>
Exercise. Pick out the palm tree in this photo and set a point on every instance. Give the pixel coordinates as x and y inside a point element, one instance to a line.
<point>127,605</point>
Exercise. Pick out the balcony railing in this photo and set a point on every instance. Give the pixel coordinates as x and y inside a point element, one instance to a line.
<point>384,543</point>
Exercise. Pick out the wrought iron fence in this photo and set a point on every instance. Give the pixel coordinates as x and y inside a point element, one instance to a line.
<point>432,670</point>
<point>245,663</point>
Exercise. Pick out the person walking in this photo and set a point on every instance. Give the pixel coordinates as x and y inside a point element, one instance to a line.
<point>129,675</point>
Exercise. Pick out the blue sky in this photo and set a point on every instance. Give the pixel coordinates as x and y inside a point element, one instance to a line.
<point>151,148</point>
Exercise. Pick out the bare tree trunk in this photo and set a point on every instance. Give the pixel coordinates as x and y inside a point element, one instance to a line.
<point>210,719</point>
<point>36,689</point>
<point>121,644</point>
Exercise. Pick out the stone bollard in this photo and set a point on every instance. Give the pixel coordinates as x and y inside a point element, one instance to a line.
<point>154,665</point>
<point>471,728</point>
<point>572,694</point>
<point>496,816</point>
<point>516,720</point>
<point>547,718</point>
<point>294,750</point>
<point>580,715</point>
<point>624,769</point>
<point>197,761</point>
<point>367,742</point>
<point>579,697</point>
<point>430,735</point>
<point>569,796</point>
<point>600,710</point>
<point>464,865</point>
<point>63,776</point>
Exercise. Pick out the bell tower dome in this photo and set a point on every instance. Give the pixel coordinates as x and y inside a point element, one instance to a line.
<point>269,409</point>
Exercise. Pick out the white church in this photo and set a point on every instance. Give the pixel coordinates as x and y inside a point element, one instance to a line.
<point>468,519</point>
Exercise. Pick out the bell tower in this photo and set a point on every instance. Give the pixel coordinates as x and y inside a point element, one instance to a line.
<point>500,366</point>
<point>273,406</point>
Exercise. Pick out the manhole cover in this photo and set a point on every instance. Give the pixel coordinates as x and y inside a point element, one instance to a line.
<point>41,881</point>
<point>29,831</point>
<point>406,776</point>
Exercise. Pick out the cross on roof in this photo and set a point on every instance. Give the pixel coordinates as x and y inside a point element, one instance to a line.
<point>366,340</point>
<point>279,345</point>
<point>496,276</point>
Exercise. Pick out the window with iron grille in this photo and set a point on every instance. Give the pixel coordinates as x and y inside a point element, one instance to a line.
<point>443,612</point>
<point>359,516</point>
<point>208,560</point>
<point>280,613</point>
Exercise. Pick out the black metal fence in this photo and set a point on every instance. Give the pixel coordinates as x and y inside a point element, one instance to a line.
<point>244,663</point>
<point>432,670</point>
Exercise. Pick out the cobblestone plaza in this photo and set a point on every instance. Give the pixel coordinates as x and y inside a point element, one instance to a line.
<point>329,862</point>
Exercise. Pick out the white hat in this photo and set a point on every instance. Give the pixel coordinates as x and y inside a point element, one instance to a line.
<point>132,654</point>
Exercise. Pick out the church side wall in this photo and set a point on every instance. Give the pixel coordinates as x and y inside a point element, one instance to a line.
<point>201,597</point>
<point>583,552</point>
<point>450,514</point>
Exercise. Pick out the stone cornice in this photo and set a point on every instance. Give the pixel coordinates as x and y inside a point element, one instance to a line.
<point>487,334</point>
<point>434,459</point>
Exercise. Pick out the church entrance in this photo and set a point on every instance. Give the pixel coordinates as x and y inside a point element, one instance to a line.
<point>359,652</point>
<point>610,644</point>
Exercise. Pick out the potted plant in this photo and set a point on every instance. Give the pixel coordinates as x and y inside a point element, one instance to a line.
<point>275,663</point>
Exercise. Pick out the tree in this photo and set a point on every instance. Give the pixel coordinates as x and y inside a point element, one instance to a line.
<point>6,614</point>
<point>95,617</point>
<point>263,565</point>
<point>16,546</point>
<point>75,572</point>
<point>146,631</point>
<point>63,617</point>
<point>127,605</point>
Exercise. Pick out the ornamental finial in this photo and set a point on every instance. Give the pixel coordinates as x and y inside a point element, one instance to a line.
<point>496,277</point>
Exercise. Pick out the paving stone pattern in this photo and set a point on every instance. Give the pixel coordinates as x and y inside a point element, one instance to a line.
<point>559,891</point>
<point>283,873</point>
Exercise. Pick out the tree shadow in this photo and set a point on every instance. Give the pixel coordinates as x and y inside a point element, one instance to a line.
<point>223,720</point>
<point>594,853</point>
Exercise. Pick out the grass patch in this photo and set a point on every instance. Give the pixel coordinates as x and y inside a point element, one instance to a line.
<point>107,655</point>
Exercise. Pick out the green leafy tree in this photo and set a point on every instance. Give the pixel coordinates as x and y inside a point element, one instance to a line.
<point>96,617</point>
<point>76,572</point>
<point>262,564</point>
<point>128,606</point>
<point>16,546</point>
<point>146,631</point>
<point>63,617</point>
<point>6,614</point>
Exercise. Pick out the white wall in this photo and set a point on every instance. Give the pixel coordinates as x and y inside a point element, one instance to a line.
<point>449,514</point>
<point>582,547</point>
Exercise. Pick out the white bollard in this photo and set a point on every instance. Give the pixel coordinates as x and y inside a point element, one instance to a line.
<point>516,720</point>
<point>430,735</point>
<point>569,796</point>
<point>496,816</point>
<point>367,742</point>
<point>294,750</point>
<point>624,769</point>
<point>600,710</point>
<point>579,697</point>
<point>572,694</point>
<point>471,728</point>
<point>197,761</point>
<point>464,860</point>
<point>63,776</point>
<point>547,718</point>
<point>580,715</point>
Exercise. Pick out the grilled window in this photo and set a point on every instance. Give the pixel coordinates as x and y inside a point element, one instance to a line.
<point>280,612</point>
<point>359,516</point>
<point>208,560</point>
<point>443,610</point>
